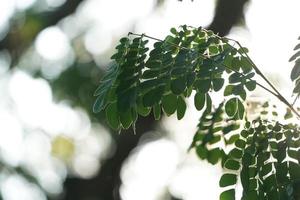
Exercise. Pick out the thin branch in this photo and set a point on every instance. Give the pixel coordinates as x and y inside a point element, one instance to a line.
<point>157,39</point>
<point>295,99</point>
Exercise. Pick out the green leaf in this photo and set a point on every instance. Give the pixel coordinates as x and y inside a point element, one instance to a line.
<point>156,111</point>
<point>203,86</point>
<point>208,103</point>
<point>274,195</point>
<point>105,87</point>
<point>152,83</point>
<point>229,128</point>
<point>236,153</point>
<point>112,116</point>
<point>148,74</point>
<point>126,119</point>
<point>281,172</point>
<point>199,100</point>
<point>227,180</point>
<point>215,139</point>
<point>236,64</point>
<point>231,107</point>
<point>169,104</point>
<point>245,133</point>
<point>297,47</point>
<point>190,79</point>
<point>142,110</point>
<point>128,99</point>
<point>213,50</point>
<point>246,65</point>
<point>244,177</point>
<point>239,90</point>
<point>270,183</point>
<point>250,85</point>
<point>296,70</point>
<point>232,139</point>
<point>178,85</point>
<point>296,55</point>
<point>247,158</point>
<point>213,156</point>
<point>201,151</point>
<point>294,171</point>
<point>235,78</point>
<point>173,30</point>
<point>266,169</point>
<point>265,105</point>
<point>217,84</point>
<point>181,108</point>
<point>228,90</point>
<point>243,50</point>
<point>100,103</point>
<point>297,87</point>
<point>178,71</point>
<point>288,114</point>
<point>228,195</point>
<point>153,96</point>
<point>251,195</point>
<point>232,164</point>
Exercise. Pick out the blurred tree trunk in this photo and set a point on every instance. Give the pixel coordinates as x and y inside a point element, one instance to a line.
<point>227,15</point>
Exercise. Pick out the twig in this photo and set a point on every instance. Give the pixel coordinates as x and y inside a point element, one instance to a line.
<point>295,99</point>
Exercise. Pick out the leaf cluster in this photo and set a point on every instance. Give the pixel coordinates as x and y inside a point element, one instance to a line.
<point>295,73</point>
<point>265,153</point>
<point>189,59</point>
<point>266,157</point>
<point>215,131</point>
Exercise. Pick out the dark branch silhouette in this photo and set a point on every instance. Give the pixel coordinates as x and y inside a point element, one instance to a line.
<point>227,15</point>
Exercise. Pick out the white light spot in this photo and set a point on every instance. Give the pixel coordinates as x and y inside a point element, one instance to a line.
<point>11,139</point>
<point>149,170</point>
<point>196,177</point>
<point>16,188</point>
<point>24,4</point>
<point>7,9</point>
<point>86,166</point>
<point>5,61</point>
<point>52,44</point>
<point>97,40</point>
<point>31,97</point>
<point>55,3</point>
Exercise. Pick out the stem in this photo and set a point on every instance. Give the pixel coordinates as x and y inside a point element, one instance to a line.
<point>157,39</point>
<point>295,99</point>
<point>276,93</point>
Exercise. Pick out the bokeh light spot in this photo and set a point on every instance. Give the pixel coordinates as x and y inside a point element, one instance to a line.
<point>52,44</point>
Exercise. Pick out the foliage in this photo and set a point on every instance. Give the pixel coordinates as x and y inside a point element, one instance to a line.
<point>295,73</point>
<point>212,134</point>
<point>264,153</point>
<point>191,59</point>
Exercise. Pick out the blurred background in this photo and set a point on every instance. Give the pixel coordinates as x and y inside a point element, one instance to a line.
<point>53,54</point>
